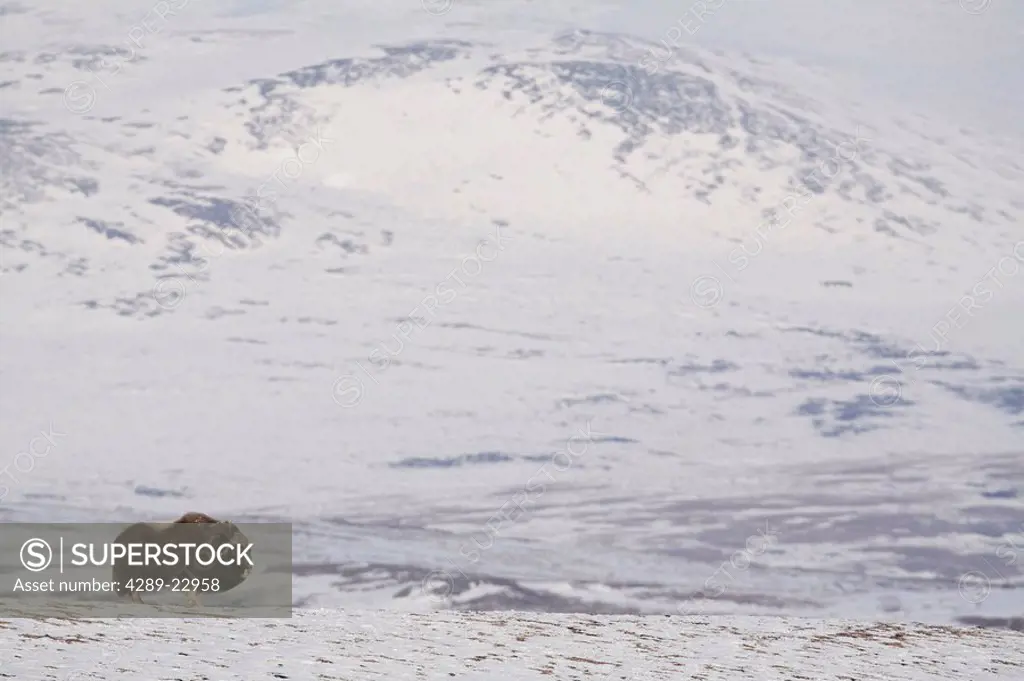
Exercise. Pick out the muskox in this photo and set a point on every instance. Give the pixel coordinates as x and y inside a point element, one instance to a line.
<point>187,575</point>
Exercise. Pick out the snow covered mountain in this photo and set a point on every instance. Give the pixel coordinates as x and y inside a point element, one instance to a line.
<point>588,127</point>
<point>505,315</point>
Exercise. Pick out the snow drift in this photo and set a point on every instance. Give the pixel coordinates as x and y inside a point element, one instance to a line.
<point>366,645</point>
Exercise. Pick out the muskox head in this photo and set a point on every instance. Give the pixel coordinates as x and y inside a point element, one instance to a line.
<point>217,533</point>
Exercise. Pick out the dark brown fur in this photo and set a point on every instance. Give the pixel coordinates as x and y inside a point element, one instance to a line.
<point>182,530</point>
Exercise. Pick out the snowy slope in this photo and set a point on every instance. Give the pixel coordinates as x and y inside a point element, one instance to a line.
<point>675,300</point>
<point>342,645</point>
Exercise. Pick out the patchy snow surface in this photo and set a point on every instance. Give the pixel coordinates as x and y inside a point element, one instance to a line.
<point>510,646</point>
<point>524,317</point>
